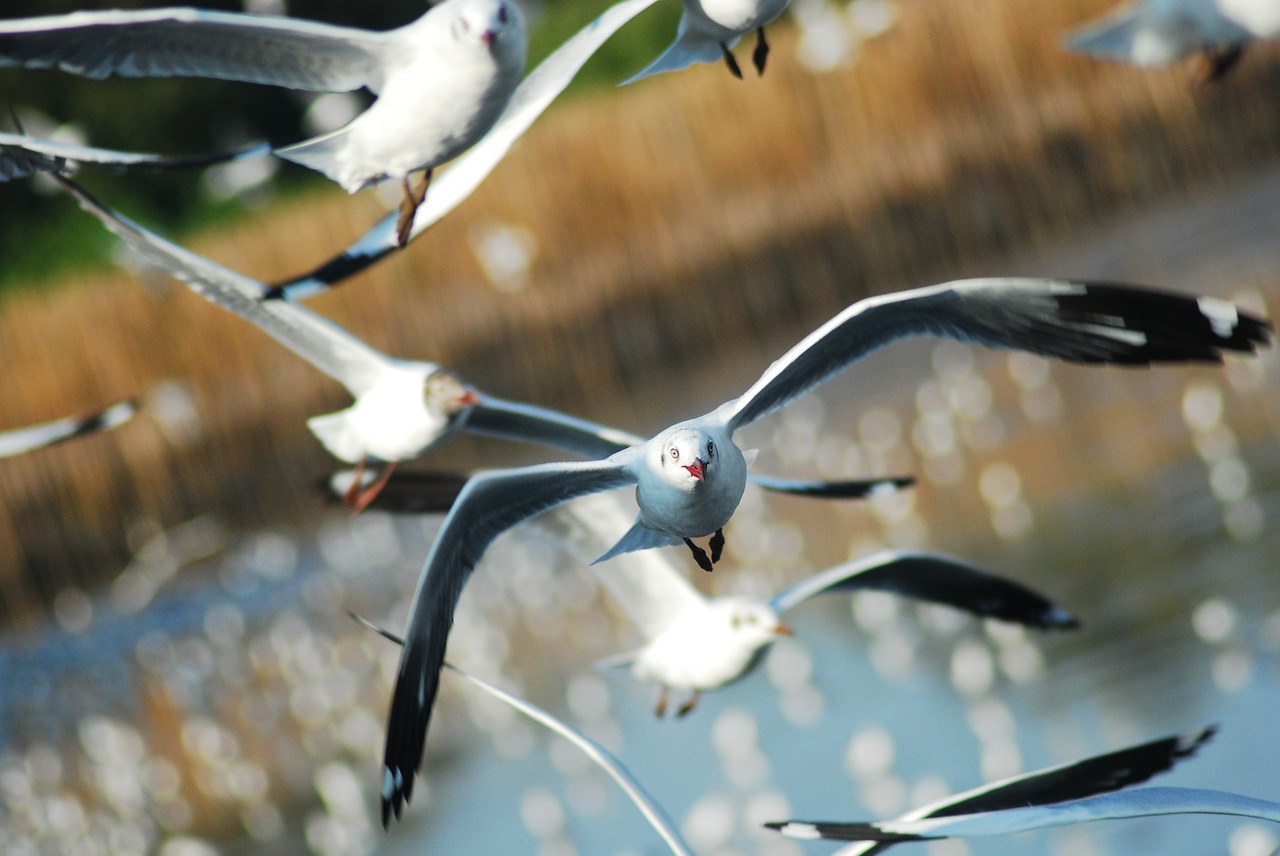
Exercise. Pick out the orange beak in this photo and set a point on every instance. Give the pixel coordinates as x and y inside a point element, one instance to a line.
<point>468,398</point>
<point>783,630</point>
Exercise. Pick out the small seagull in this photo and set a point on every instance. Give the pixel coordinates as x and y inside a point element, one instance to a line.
<point>1085,791</point>
<point>440,81</point>
<point>22,156</point>
<point>690,477</point>
<point>454,184</point>
<point>18,441</point>
<point>403,408</point>
<point>695,644</point>
<point>708,30</point>
<point>602,757</point>
<point>1159,32</point>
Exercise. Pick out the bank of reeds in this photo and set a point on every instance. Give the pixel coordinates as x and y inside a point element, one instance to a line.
<point>683,218</point>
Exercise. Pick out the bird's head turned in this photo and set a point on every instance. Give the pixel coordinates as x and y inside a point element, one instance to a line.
<point>498,25</point>
<point>749,622</point>
<point>446,393</point>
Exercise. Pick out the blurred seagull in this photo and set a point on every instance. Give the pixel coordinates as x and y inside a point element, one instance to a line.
<point>456,183</point>
<point>441,80</point>
<point>22,156</point>
<point>17,441</point>
<point>690,477</point>
<point>709,28</point>
<point>403,408</point>
<point>1085,791</point>
<point>1158,32</point>
<point>694,644</point>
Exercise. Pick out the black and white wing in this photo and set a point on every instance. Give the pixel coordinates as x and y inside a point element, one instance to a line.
<point>1087,778</point>
<point>1084,322</point>
<point>934,578</point>
<point>489,505</point>
<point>320,342</point>
<point>456,183</point>
<point>22,156</point>
<point>19,440</point>
<point>184,42</point>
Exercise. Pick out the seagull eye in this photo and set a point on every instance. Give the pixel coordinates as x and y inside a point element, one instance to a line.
<point>502,14</point>
<point>711,449</point>
<point>675,453</point>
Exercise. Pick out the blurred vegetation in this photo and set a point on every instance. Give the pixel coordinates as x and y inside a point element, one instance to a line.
<point>43,235</point>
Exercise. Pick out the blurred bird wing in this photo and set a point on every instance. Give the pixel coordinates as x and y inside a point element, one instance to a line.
<point>20,440</point>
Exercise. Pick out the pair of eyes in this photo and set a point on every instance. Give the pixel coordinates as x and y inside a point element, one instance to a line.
<point>738,620</point>
<point>711,450</point>
<point>465,26</point>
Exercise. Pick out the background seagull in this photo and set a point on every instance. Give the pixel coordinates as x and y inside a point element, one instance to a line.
<point>1158,32</point>
<point>539,88</point>
<point>403,408</point>
<point>16,441</point>
<point>1085,791</point>
<point>690,477</point>
<point>709,28</point>
<point>22,156</point>
<point>694,643</point>
<point>441,80</point>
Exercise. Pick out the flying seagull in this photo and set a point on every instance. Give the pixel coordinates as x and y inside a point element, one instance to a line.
<point>440,81</point>
<point>707,31</point>
<point>690,477</point>
<point>17,441</point>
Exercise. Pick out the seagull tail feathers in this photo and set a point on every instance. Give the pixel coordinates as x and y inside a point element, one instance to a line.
<point>1114,37</point>
<point>638,537</point>
<point>335,431</point>
<point>685,51</point>
<point>327,154</point>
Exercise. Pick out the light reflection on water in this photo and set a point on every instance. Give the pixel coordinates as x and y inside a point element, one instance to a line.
<point>241,710</point>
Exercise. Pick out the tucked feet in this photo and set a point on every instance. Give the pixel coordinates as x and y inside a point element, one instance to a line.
<point>413,197</point>
<point>1216,63</point>
<point>687,708</point>
<point>760,54</point>
<point>730,61</point>
<point>699,555</point>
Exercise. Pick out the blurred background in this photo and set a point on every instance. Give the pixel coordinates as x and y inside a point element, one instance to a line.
<point>179,672</point>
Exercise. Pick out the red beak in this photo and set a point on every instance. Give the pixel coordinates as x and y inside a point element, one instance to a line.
<point>782,630</point>
<point>697,468</point>
<point>468,398</point>
<point>487,37</point>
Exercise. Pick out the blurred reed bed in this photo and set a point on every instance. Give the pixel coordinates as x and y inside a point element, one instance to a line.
<point>691,217</point>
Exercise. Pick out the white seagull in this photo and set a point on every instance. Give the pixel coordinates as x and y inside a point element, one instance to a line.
<point>22,156</point>
<point>454,184</point>
<point>440,81</point>
<point>1085,791</point>
<point>709,28</point>
<point>694,644</point>
<point>1159,32</point>
<point>690,477</point>
<point>17,441</point>
<point>403,408</point>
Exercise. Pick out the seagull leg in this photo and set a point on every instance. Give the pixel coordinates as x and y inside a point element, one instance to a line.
<point>661,710</point>
<point>730,61</point>
<point>367,495</point>
<point>353,492</point>
<point>687,707</point>
<point>413,197</point>
<point>699,555</point>
<point>761,52</point>
<point>1215,63</point>
<point>717,546</point>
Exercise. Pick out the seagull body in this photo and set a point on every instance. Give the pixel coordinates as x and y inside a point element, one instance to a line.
<point>1159,32</point>
<point>707,31</point>
<point>17,441</point>
<point>681,466</point>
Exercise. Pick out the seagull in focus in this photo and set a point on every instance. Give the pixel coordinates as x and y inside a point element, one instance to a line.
<point>440,81</point>
<point>1159,32</point>
<point>708,30</point>
<point>1088,790</point>
<point>403,408</point>
<point>689,478</point>
<point>22,156</point>
<point>694,644</point>
<point>17,441</point>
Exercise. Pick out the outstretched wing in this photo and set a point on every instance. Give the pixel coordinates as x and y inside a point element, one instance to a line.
<point>320,342</point>
<point>19,440</point>
<point>22,156</point>
<point>935,578</point>
<point>453,185</point>
<point>1081,322</point>
<point>182,42</point>
<point>490,504</point>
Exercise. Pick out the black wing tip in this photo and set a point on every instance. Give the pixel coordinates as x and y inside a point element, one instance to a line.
<point>832,831</point>
<point>326,276</point>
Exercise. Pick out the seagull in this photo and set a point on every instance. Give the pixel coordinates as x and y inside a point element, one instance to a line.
<point>1087,790</point>
<point>403,408</point>
<point>1159,32</point>
<point>454,184</point>
<point>602,757</point>
<point>709,28</point>
<point>695,644</point>
<point>690,477</point>
<point>18,441</point>
<point>440,81</point>
<point>22,156</point>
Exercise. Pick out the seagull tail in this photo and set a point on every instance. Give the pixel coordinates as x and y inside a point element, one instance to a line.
<point>328,154</point>
<point>686,50</point>
<point>337,434</point>
<point>1116,37</point>
<point>638,537</point>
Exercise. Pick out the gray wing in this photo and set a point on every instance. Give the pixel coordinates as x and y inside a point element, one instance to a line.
<point>934,578</point>
<point>517,421</point>
<point>182,42</point>
<point>1083,322</point>
<point>490,504</point>
<point>1089,777</point>
<point>20,440</point>
<point>22,156</point>
<point>455,184</point>
<point>325,345</point>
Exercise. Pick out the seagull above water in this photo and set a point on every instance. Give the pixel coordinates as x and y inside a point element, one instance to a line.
<point>689,478</point>
<point>1159,32</point>
<point>694,644</point>
<point>440,81</point>
<point>403,408</point>
<point>17,441</point>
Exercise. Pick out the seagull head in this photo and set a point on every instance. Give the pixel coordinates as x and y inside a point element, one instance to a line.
<point>688,457</point>
<point>749,623</point>
<point>445,393</point>
<point>496,24</point>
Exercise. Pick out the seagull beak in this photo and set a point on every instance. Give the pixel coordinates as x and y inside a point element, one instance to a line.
<point>697,469</point>
<point>783,630</point>
<point>488,36</point>
<point>468,398</point>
